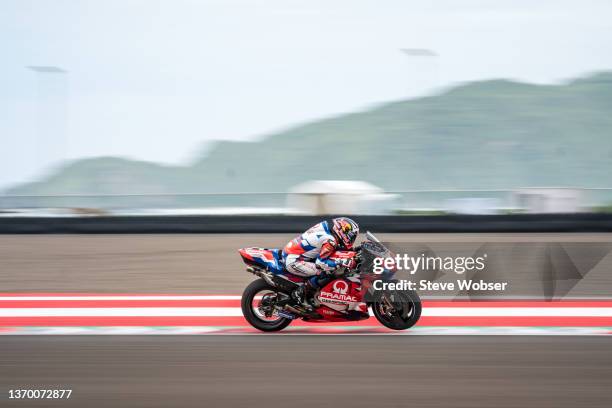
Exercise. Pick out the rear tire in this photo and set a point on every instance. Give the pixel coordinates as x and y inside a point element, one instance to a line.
<point>406,315</point>
<point>257,322</point>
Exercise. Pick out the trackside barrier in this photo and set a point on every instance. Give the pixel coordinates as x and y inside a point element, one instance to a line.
<point>583,222</point>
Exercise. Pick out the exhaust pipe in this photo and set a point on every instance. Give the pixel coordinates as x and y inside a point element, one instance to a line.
<point>262,274</point>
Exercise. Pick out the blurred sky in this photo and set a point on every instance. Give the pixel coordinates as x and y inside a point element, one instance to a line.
<point>155,80</point>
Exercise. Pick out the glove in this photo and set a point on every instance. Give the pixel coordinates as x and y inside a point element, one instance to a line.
<point>347,262</point>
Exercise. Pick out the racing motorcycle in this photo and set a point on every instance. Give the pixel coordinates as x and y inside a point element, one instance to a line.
<point>268,305</point>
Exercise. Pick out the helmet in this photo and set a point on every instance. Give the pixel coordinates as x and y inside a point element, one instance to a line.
<point>346,231</point>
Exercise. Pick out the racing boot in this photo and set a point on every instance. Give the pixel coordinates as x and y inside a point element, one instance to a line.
<point>304,293</point>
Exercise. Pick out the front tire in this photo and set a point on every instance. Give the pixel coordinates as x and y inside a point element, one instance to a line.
<point>254,311</point>
<point>400,311</point>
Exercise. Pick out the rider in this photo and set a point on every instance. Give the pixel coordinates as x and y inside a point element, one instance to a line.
<point>308,255</point>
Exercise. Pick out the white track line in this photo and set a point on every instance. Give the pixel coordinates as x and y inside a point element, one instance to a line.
<point>162,297</point>
<point>122,311</point>
<point>518,311</point>
<point>238,297</point>
<point>236,311</point>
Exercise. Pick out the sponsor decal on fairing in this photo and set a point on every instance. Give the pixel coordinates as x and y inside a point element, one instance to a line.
<point>338,295</point>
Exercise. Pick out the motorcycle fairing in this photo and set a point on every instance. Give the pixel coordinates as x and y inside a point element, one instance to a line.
<point>270,259</point>
<point>342,295</point>
<point>338,255</point>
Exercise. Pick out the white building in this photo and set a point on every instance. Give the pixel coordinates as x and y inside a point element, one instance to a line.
<point>549,200</point>
<point>339,197</point>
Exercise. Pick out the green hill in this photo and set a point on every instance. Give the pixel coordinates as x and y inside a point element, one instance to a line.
<point>491,134</point>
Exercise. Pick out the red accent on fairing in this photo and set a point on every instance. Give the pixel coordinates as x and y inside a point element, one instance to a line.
<point>343,255</point>
<point>341,293</point>
<point>251,253</point>
<point>342,289</point>
<point>243,253</point>
<point>329,315</point>
<point>326,311</point>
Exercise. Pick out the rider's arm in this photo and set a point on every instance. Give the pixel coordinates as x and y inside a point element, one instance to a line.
<point>324,262</point>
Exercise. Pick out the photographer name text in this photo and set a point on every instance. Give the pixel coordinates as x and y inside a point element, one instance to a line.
<point>424,284</point>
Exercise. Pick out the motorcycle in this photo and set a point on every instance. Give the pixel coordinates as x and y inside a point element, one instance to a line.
<point>268,305</point>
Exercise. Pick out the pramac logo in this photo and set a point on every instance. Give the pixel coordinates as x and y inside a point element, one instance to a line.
<point>339,294</point>
<point>340,287</point>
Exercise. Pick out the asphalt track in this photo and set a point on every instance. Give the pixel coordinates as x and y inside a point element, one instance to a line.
<point>200,263</point>
<point>310,371</point>
<point>271,370</point>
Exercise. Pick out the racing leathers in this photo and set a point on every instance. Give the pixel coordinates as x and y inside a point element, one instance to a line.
<point>308,255</point>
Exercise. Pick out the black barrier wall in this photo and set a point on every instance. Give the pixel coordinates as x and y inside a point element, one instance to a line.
<point>279,224</point>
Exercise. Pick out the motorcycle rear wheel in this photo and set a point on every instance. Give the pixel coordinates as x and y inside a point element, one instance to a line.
<point>249,305</point>
<point>403,313</point>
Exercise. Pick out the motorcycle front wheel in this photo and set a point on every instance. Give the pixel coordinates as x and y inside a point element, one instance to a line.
<point>398,310</point>
<point>258,300</point>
